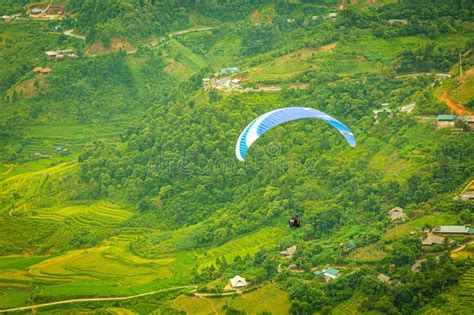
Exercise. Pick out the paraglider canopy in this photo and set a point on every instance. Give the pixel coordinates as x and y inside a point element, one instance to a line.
<point>265,122</point>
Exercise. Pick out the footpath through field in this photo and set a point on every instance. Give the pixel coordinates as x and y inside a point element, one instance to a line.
<point>31,307</point>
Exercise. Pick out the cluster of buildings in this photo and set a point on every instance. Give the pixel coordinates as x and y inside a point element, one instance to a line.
<point>60,54</point>
<point>440,121</point>
<point>440,234</point>
<point>449,121</point>
<point>222,80</point>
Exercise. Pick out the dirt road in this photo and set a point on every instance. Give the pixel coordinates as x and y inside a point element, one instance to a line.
<point>457,108</point>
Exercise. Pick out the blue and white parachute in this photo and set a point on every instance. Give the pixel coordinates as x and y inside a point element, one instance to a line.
<point>267,121</point>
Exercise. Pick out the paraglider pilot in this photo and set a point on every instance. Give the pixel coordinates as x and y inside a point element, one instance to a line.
<point>295,222</point>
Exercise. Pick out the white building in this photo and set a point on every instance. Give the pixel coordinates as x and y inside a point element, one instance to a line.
<point>238,282</point>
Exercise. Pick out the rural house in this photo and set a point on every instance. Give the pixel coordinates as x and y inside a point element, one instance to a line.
<point>416,267</point>
<point>433,239</point>
<point>288,253</point>
<point>445,121</point>
<point>454,229</point>
<point>40,70</point>
<point>396,214</point>
<point>238,282</point>
<point>383,109</point>
<point>467,195</point>
<point>36,11</point>
<point>331,273</point>
<point>469,120</point>
<point>328,273</point>
<point>407,109</point>
<point>384,278</point>
<point>398,21</point>
<point>332,15</point>
<point>207,83</point>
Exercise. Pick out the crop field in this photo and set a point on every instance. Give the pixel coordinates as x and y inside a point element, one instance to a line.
<point>467,252</point>
<point>248,244</point>
<point>71,136</point>
<point>182,62</point>
<point>31,183</point>
<point>100,214</point>
<point>467,285</point>
<point>265,299</point>
<point>369,253</point>
<point>350,306</point>
<point>283,68</point>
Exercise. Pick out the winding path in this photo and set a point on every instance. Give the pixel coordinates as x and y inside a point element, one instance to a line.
<point>31,307</point>
<point>71,33</point>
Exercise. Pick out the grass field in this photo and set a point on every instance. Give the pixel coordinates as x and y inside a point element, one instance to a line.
<point>70,135</point>
<point>182,62</point>
<point>283,68</point>
<point>369,253</point>
<point>266,299</point>
<point>242,246</point>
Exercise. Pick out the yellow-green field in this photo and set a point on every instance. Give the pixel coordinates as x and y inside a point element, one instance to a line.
<point>369,253</point>
<point>266,299</point>
<point>242,246</point>
<point>181,61</point>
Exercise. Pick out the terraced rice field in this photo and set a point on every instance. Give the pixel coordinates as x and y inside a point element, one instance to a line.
<point>71,136</point>
<point>100,214</point>
<point>466,294</point>
<point>31,183</point>
<point>350,306</point>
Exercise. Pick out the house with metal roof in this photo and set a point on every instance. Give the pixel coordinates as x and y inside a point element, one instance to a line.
<point>329,273</point>
<point>454,229</point>
<point>446,118</point>
<point>407,109</point>
<point>36,11</point>
<point>445,121</point>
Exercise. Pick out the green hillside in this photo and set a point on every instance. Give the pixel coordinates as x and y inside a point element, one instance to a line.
<point>120,191</point>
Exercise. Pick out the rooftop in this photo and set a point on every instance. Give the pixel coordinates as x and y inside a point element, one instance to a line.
<point>433,239</point>
<point>238,282</point>
<point>384,278</point>
<point>331,271</point>
<point>452,229</point>
<point>289,251</point>
<point>446,118</point>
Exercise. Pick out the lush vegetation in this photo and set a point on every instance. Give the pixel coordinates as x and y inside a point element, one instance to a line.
<point>118,174</point>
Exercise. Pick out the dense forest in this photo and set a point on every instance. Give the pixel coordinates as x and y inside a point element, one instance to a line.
<point>124,167</point>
